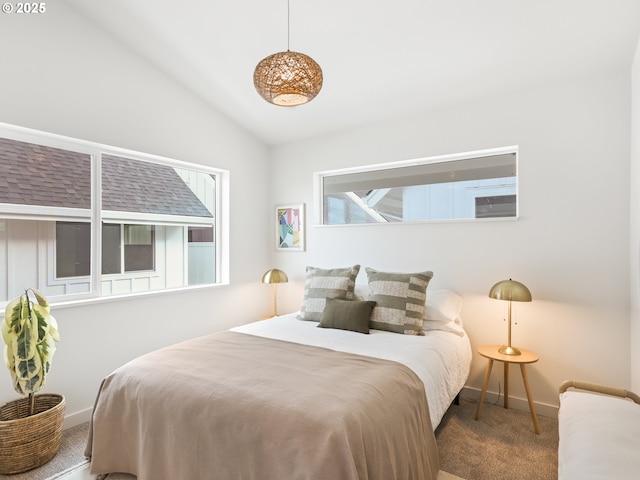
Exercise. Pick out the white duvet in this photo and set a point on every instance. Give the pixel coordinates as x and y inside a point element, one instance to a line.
<point>441,359</point>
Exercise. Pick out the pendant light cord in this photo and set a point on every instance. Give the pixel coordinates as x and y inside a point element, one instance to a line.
<point>288,24</point>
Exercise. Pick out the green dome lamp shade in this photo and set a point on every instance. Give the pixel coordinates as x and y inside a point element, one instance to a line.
<point>511,291</point>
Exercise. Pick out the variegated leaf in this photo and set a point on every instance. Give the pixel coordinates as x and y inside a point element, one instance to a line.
<point>40,314</point>
<point>35,383</point>
<point>53,328</point>
<point>9,310</point>
<point>30,385</point>
<point>12,314</point>
<point>6,336</point>
<point>42,300</point>
<point>17,384</point>
<point>25,308</point>
<point>24,345</point>
<point>9,358</point>
<point>27,369</point>
<point>47,348</point>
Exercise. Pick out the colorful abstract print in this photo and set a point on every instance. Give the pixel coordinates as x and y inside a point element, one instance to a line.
<point>289,228</point>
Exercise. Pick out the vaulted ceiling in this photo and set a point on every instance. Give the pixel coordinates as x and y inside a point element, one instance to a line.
<point>380,59</point>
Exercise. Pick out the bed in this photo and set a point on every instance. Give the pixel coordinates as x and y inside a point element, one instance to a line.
<point>282,399</point>
<point>599,432</point>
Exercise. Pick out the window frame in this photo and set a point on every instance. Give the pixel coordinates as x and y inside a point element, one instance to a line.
<point>318,185</point>
<point>95,214</point>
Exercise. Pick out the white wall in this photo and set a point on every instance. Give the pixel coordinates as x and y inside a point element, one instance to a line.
<point>570,245</point>
<point>61,74</point>
<point>635,223</point>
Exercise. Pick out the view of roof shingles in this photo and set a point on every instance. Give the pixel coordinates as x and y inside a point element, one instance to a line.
<point>136,186</point>
<point>33,174</point>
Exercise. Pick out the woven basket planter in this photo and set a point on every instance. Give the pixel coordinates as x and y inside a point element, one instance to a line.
<point>27,442</point>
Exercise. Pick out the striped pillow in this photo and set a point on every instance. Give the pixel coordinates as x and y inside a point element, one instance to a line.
<point>321,284</point>
<point>400,299</point>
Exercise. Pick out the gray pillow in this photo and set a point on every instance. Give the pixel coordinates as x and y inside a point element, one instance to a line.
<point>400,299</point>
<point>321,284</point>
<point>350,315</point>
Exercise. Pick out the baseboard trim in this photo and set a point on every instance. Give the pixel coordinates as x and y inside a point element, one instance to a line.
<point>77,418</point>
<point>73,471</point>
<point>517,403</point>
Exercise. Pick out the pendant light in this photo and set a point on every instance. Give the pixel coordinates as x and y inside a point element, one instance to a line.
<point>288,78</point>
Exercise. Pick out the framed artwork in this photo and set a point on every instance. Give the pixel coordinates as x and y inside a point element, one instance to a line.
<point>290,228</point>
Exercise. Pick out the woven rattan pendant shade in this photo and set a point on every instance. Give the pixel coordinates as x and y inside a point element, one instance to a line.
<point>288,78</point>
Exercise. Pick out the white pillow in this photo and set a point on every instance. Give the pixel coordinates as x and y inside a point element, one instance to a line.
<point>361,292</point>
<point>442,311</point>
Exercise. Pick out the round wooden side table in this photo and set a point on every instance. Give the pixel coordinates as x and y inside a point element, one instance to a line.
<point>491,353</point>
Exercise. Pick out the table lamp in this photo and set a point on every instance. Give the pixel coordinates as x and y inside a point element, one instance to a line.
<point>274,276</point>
<point>511,291</point>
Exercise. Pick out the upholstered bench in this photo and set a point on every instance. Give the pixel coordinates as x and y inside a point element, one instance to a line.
<point>599,429</point>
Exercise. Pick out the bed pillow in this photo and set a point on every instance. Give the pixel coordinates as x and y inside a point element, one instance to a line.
<point>400,300</point>
<point>350,315</point>
<point>442,311</point>
<point>321,284</point>
<point>361,292</point>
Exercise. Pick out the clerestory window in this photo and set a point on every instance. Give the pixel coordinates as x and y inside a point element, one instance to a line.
<point>467,186</point>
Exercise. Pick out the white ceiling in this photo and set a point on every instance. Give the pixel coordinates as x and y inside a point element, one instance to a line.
<point>379,59</point>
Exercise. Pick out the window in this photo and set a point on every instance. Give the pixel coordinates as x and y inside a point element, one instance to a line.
<point>81,220</point>
<point>454,187</point>
<point>111,248</point>
<point>139,251</point>
<point>74,260</point>
<point>496,206</point>
<point>201,251</point>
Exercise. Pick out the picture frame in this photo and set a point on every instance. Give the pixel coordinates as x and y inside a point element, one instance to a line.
<point>290,228</point>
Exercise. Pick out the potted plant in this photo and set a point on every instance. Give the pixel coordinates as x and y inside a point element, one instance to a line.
<point>31,427</point>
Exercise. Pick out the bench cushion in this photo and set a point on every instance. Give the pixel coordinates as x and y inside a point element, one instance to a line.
<point>599,437</point>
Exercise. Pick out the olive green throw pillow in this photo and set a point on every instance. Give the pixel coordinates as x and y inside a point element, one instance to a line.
<point>351,315</point>
<point>400,299</point>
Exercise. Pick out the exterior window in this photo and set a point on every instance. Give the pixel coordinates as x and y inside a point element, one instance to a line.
<point>455,187</point>
<point>139,251</point>
<point>138,244</point>
<point>111,248</point>
<point>201,252</point>
<point>73,249</point>
<point>496,206</point>
<point>156,225</point>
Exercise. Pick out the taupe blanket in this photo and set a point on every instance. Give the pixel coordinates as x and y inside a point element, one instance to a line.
<point>241,407</point>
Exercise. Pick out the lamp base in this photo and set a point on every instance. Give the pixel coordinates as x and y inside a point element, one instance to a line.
<point>508,350</point>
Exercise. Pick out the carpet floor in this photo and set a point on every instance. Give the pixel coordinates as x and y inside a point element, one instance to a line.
<point>500,446</point>
<point>69,456</point>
